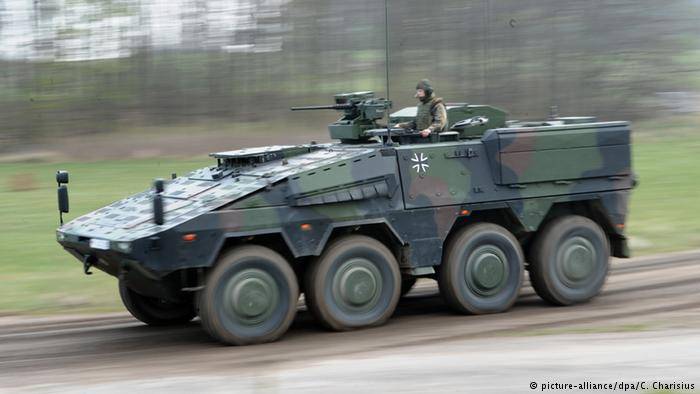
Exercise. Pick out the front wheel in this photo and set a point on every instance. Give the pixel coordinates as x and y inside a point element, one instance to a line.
<point>482,270</point>
<point>155,311</point>
<point>250,296</point>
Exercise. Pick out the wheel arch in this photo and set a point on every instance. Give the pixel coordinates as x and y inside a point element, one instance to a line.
<point>285,241</point>
<point>501,216</point>
<point>594,209</point>
<point>597,208</point>
<point>271,240</point>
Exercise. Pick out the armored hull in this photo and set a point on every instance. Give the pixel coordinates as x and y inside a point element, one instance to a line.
<point>350,224</point>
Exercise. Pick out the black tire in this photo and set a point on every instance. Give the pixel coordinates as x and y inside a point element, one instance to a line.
<point>407,284</point>
<point>355,283</point>
<point>569,260</point>
<point>482,270</point>
<point>155,311</point>
<point>249,297</point>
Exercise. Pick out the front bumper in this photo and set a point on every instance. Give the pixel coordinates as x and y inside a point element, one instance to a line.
<point>109,261</point>
<point>158,266</point>
<point>136,276</point>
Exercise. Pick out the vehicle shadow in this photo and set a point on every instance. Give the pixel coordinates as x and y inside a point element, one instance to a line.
<point>425,302</point>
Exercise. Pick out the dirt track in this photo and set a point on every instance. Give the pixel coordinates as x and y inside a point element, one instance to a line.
<point>645,325</point>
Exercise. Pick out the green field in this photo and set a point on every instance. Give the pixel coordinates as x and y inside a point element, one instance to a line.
<point>37,276</point>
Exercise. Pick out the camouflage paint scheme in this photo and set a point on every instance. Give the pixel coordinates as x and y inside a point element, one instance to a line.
<point>418,193</point>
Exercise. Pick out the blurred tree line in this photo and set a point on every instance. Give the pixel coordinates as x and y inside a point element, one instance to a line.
<point>95,66</point>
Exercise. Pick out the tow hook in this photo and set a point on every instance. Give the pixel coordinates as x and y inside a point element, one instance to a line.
<point>88,260</point>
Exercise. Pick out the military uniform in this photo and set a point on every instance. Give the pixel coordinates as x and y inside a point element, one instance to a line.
<point>431,112</point>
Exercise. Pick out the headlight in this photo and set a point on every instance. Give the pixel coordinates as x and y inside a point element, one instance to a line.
<point>124,247</point>
<point>60,236</point>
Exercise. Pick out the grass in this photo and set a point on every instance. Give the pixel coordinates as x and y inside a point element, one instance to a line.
<point>37,276</point>
<point>665,207</point>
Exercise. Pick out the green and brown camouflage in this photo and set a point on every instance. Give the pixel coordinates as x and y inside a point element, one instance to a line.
<point>412,195</point>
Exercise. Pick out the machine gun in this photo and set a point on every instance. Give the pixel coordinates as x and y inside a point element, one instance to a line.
<point>361,110</point>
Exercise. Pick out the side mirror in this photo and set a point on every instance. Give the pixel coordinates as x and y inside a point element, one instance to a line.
<point>63,198</point>
<point>61,177</point>
<point>63,206</point>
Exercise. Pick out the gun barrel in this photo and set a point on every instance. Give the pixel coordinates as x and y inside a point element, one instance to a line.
<point>315,107</point>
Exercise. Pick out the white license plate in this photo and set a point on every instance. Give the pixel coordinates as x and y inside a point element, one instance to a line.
<point>99,244</point>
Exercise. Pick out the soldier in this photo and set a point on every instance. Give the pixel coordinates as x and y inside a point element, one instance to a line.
<point>431,115</point>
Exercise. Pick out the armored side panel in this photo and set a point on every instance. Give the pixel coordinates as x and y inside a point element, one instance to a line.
<point>517,163</point>
<point>559,153</point>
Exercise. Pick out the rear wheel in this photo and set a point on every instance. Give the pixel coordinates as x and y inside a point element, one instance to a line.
<point>569,260</point>
<point>155,311</point>
<point>250,297</point>
<point>482,270</point>
<point>354,283</point>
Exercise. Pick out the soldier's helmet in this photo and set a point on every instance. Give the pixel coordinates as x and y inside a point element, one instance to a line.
<point>426,86</point>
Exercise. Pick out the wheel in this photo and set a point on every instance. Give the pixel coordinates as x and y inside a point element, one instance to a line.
<point>249,297</point>
<point>407,284</point>
<point>569,260</point>
<point>354,283</point>
<point>155,311</point>
<point>482,270</point>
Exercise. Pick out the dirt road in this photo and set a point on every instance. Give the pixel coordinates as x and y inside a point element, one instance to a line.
<point>644,327</point>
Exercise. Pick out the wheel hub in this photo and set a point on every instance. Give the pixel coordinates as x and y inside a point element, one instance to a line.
<point>253,295</point>
<point>486,270</point>
<point>357,284</point>
<point>578,258</point>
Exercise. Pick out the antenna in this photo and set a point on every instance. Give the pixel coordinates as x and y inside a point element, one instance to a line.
<point>386,64</point>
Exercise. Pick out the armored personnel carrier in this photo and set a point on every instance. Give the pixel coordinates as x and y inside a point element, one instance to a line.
<point>352,224</point>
